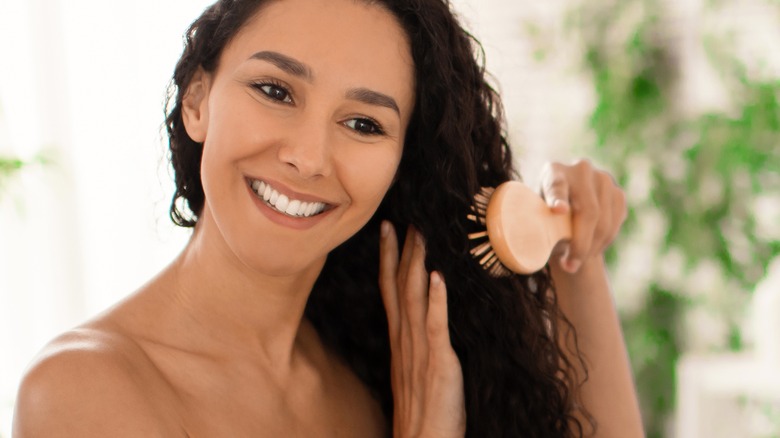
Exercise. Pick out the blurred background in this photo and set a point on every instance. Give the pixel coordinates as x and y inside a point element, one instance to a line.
<point>680,100</point>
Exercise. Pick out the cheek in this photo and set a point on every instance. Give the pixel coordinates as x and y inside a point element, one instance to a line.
<point>370,177</point>
<point>230,140</point>
<point>217,167</point>
<point>209,170</point>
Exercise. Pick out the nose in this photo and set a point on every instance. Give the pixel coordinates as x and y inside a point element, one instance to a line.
<point>309,152</point>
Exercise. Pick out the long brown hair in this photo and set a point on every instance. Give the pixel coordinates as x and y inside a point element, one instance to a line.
<point>518,381</point>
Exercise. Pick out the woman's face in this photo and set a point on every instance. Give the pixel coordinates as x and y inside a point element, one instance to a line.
<point>303,125</point>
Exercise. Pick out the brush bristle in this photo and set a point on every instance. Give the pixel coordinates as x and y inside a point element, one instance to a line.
<point>499,270</point>
<point>488,259</point>
<point>475,236</point>
<point>477,219</point>
<point>481,249</point>
<point>484,251</point>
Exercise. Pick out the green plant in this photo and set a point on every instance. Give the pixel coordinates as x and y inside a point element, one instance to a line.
<point>694,180</point>
<point>10,167</point>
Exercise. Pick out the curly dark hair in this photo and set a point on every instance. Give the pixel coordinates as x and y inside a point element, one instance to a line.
<point>506,331</point>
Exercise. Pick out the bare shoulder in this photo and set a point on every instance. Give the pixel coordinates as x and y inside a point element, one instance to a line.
<point>88,382</point>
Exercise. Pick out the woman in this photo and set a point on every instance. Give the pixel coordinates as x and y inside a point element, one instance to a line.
<point>298,130</point>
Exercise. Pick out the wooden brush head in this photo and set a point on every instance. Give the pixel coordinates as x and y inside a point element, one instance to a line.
<point>521,228</point>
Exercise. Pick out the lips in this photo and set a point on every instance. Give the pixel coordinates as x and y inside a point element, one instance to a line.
<point>287,205</point>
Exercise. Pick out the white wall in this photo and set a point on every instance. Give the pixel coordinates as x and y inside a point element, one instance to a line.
<point>83,81</point>
<point>545,101</point>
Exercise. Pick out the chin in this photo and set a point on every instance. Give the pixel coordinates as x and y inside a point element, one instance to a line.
<point>282,265</point>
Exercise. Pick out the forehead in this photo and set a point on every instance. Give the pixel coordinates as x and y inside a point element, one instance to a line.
<point>360,43</point>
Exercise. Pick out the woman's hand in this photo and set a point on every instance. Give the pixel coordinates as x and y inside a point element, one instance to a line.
<point>598,209</point>
<point>426,376</point>
<point>597,206</point>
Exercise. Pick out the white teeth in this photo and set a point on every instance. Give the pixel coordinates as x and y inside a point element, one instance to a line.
<point>290,207</point>
<point>282,202</point>
<point>302,209</point>
<point>267,192</point>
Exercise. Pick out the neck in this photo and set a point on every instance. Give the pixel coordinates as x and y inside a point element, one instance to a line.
<point>232,308</point>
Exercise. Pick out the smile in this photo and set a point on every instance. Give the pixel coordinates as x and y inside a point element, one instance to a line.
<point>283,204</point>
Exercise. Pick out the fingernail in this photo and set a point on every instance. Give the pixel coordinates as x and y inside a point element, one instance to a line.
<point>385,228</point>
<point>574,265</point>
<point>560,204</point>
<point>435,279</point>
<point>418,238</point>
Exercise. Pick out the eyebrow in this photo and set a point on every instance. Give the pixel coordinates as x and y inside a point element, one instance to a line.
<point>285,63</point>
<point>301,70</point>
<point>372,97</point>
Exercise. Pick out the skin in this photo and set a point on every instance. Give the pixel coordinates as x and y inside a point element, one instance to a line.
<point>216,344</point>
<point>598,209</point>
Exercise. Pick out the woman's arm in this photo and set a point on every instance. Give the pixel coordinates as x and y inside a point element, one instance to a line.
<point>598,208</point>
<point>609,393</point>
<point>84,385</point>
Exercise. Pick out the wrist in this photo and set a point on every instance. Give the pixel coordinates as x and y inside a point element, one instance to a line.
<point>593,265</point>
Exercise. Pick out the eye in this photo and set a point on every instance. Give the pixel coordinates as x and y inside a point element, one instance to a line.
<point>274,91</point>
<point>364,126</point>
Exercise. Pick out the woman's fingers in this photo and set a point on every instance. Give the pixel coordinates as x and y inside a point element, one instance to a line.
<point>415,292</point>
<point>606,225</point>
<point>586,213</point>
<point>597,207</point>
<point>555,188</point>
<point>400,280</point>
<point>405,291</point>
<point>426,378</point>
<point>619,213</point>
<point>388,268</point>
<point>444,378</point>
<point>406,256</point>
<point>412,300</point>
<point>437,325</point>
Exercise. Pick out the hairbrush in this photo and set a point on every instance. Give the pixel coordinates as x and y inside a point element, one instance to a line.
<point>521,230</point>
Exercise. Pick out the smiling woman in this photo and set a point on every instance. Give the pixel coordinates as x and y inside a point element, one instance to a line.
<point>303,133</point>
<point>310,140</point>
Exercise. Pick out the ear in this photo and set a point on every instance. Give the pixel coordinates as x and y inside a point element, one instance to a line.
<point>195,109</point>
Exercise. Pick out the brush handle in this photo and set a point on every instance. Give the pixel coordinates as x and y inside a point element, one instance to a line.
<point>522,229</point>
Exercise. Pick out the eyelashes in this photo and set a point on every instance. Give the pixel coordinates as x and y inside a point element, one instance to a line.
<point>274,90</point>
<point>277,92</point>
<point>364,126</point>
